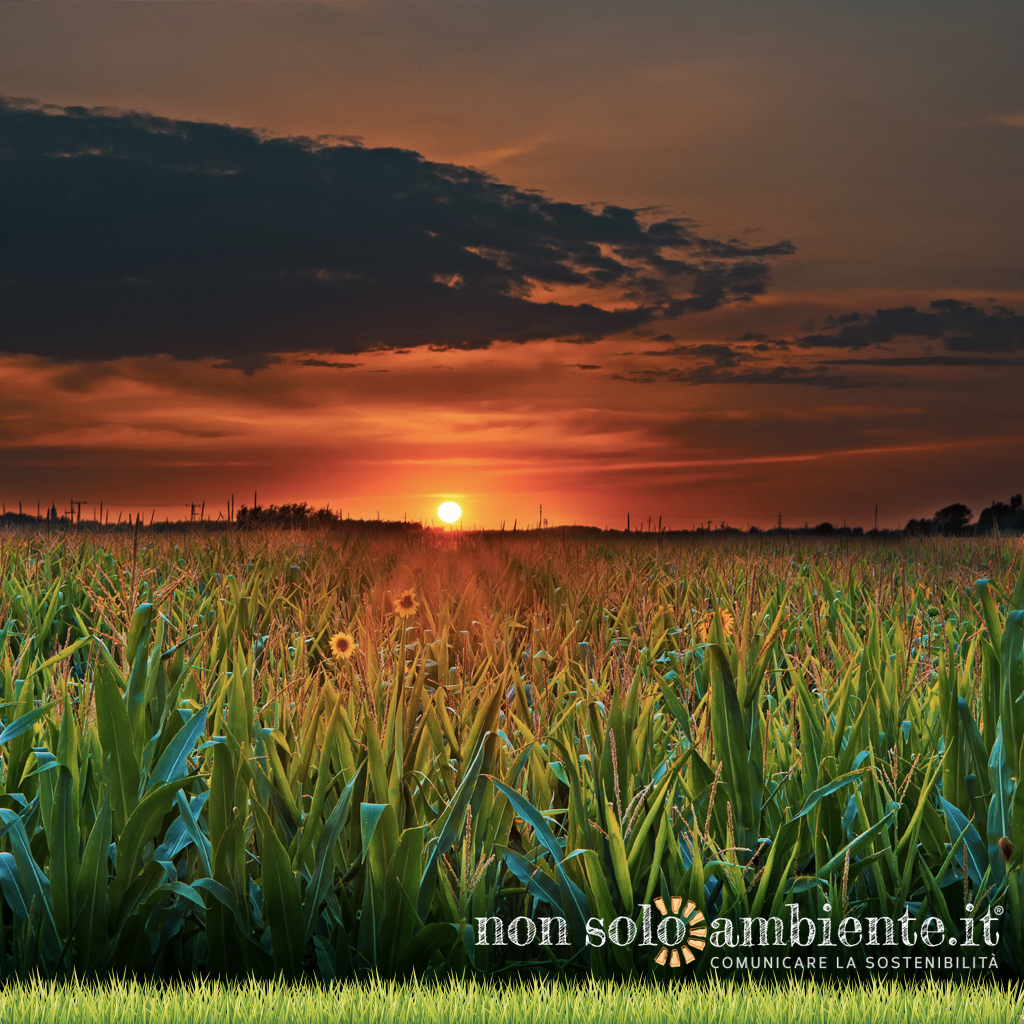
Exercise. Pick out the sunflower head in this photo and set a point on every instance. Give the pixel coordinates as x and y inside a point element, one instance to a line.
<point>342,645</point>
<point>728,622</point>
<point>406,604</point>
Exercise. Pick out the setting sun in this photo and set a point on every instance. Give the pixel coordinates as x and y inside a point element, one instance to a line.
<point>449,512</point>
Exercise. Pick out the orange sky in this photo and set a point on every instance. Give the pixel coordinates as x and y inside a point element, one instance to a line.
<point>882,141</point>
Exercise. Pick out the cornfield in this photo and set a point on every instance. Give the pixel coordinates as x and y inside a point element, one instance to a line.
<point>194,783</point>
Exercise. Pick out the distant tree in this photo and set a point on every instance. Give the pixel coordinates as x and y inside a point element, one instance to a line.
<point>1006,518</point>
<point>953,518</point>
<point>824,528</point>
<point>920,526</point>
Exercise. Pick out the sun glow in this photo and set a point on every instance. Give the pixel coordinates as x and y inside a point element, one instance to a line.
<point>449,512</point>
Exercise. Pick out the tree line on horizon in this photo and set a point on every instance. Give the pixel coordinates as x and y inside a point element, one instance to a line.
<point>953,520</point>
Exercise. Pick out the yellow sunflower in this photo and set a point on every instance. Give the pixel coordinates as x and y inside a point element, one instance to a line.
<point>406,604</point>
<point>342,645</point>
<point>728,621</point>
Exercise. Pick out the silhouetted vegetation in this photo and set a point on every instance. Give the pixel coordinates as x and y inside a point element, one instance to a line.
<point>950,521</point>
<point>1006,518</point>
<point>300,516</point>
<point>955,520</point>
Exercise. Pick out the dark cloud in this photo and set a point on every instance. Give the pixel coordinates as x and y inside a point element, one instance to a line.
<point>126,234</point>
<point>763,343</point>
<point>971,335</point>
<point>897,361</point>
<point>720,353</point>
<point>587,366</point>
<point>326,362</point>
<point>717,373</point>
<point>959,326</point>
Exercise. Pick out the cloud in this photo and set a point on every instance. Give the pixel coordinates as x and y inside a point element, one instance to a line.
<point>326,362</point>
<point>959,326</point>
<point>719,373</point>
<point>721,355</point>
<point>1015,120</point>
<point>897,361</point>
<point>763,342</point>
<point>127,234</point>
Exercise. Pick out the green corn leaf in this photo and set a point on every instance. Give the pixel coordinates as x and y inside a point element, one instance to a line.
<point>11,883</point>
<point>375,758</point>
<point>322,876</point>
<point>541,887</point>
<point>116,740</point>
<point>135,698</point>
<point>182,890</point>
<point>62,655</point>
<point>620,865</point>
<point>282,905</point>
<point>828,789</point>
<point>223,895</point>
<point>138,631</point>
<point>400,920</point>
<point>34,884</point>
<point>977,853</point>
<point>92,890</point>
<point>1000,806</point>
<point>573,898</point>
<point>171,766</point>
<point>23,723</point>
<point>991,613</point>
<point>447,828</point>
<point>62,838</point>
<point>202,844</point>
<point>854,846</point>
<point>142,825</point>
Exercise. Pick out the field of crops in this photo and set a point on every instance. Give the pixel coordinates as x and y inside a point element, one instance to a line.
<point>320,756</point>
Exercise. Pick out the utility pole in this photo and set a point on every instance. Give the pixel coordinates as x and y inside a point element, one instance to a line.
<point>876,518</point>
<point>780,520</point>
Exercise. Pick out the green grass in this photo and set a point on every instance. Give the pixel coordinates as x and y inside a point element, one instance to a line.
<point>191,782</point>
<point>462,1002</point>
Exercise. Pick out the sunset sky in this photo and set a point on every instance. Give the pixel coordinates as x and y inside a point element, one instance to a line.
<point>701,261</point>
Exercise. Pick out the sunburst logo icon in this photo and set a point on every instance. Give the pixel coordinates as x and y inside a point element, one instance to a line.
<point>690,932</point>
